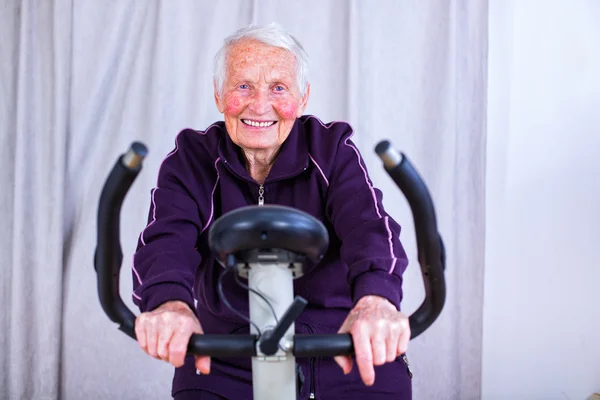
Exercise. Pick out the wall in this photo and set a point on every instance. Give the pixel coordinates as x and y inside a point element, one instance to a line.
<point>541,337</point>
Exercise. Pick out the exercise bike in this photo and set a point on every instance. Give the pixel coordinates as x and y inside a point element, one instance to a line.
<point>270,246</point>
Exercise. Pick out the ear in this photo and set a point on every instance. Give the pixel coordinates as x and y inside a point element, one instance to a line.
<point>218,102</point>
<point>303,102</point>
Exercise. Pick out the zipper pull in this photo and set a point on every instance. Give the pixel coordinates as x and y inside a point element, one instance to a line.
<point>261,193</point>
<point>312,396</point>
<point>405,359</point>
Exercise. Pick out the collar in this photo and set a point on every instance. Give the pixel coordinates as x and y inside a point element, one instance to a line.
<point>291,161</point>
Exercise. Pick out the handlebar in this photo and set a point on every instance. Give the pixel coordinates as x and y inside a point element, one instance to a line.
<point>245,345</point>
<point>108,259</point>
<point>108,255</point>
<point>431,252</point>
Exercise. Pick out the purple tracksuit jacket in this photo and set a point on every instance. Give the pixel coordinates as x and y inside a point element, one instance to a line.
<point>318,170</point>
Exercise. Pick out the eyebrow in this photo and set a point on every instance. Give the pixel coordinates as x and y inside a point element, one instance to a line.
<point>277,80</point>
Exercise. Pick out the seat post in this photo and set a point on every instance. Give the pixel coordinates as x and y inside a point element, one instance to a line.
<point>273,377</point>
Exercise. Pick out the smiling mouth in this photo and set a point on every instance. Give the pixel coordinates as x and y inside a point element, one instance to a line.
<point>258,124</point>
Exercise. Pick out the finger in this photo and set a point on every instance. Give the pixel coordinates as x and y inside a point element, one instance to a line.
<point>203,364</point>
<point>178,348</point>
<point>165,334</point>
<point>403,340</point>
<point>345,328</point>
<point>151,338</point>
<point>379,344</point>
<point>140,332</point>
<point>363,352</point>
<point>345,362</point>
<point>392,343</point>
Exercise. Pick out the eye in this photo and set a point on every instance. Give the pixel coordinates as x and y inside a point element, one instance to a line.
<point>279,88</point>
<point>243,86</point>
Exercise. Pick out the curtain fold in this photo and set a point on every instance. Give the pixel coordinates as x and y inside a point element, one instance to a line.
<point>36,130</point>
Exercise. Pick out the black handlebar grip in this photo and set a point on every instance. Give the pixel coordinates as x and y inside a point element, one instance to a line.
<point>431,253</point>
<point>223,345</point>
<point>108,255</point>
<point>323,345</point>
<point>245,345</point>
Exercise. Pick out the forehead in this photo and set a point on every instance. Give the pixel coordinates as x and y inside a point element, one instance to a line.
<point>250,57</point>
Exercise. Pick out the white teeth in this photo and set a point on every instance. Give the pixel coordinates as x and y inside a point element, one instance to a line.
<point>258,124</point>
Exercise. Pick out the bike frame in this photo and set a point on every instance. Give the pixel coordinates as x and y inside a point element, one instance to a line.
<point>274,350</point>
<point>273,376</point>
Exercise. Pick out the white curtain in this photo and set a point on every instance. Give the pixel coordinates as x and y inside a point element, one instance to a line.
<point>81,79</point>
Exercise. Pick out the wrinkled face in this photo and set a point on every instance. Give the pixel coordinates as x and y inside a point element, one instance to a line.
<point>260,99</point>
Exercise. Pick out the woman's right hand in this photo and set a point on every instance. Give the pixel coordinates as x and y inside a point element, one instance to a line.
<point>165,332</point>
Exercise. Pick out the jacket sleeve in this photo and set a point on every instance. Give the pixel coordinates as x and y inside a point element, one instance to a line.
<point>166,258</point>
<point>370,237</point>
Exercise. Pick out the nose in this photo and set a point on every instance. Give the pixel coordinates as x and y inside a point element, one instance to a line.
<point>260,103</point>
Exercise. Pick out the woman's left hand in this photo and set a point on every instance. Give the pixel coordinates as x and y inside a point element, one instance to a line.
<point>380,334</point>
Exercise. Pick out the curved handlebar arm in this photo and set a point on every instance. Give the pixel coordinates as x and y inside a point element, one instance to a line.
<point>108,255</point>
<point>430,246</point>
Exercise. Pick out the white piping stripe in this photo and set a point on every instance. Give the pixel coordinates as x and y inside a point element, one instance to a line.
<point>212,197</point>
<point>154,191</point>
<point>394,259</point>
<point>319,168</point>
<point>153,216</point>
<point>208,129</point>
<point>387,226</point>
<point>329,125</point>
<point>366,176</point>
<point>135,271</point>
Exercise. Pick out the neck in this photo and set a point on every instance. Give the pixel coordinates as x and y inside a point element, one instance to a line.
<point>259,162</point>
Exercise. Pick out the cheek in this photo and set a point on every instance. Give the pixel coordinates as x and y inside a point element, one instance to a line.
<point>233,106</point>
<point>287,108</point>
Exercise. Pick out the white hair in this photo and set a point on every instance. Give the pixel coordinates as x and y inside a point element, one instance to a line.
<point>272,35</point>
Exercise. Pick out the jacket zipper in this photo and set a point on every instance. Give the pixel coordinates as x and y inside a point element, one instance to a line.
<point>312,378</point>
<point>261,195</point>
<point>312,370</point>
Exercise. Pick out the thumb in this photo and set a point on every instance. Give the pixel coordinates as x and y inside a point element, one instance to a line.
<point>345,362</point>
<point>202,364</point>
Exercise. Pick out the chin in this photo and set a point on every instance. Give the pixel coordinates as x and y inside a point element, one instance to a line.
<point>259,145</point>
<point>260,142</point>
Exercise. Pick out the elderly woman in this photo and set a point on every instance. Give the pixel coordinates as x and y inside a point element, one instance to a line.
<point>267,152</point>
